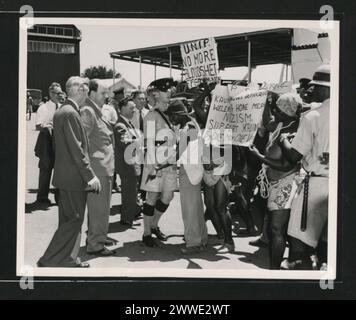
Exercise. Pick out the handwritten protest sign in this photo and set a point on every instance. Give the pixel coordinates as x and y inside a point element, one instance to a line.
<point>278,88</point>
<point>200,60</point>
<point>235,114</point>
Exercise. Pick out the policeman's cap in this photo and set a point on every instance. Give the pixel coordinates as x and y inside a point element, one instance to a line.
<point>162,84</point>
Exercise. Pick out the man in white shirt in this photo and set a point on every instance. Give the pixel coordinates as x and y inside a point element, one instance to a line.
<point>109,113</point>
<point>311,147</point>
<point>151,101</point>
<point>44,149</point>
<point>139,98</point>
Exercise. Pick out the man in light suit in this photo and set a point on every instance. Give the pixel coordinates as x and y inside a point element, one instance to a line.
<point>101,145</point>
<point>73,176</point>
<point>125,135</point>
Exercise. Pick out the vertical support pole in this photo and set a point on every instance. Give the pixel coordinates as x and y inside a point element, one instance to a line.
<point>287,67</point>
<point>170,63</point>
<point>249,61</point>
<point>155,71</point>
<point>140,72</point>
<point>291,62</point>
<point>281,77</point>
<point>113,71</point>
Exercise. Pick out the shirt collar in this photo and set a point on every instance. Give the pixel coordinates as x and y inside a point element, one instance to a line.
<point>96,106</point>
<point>50,102</point>
<point>127,120</point>
<point>138,111</point>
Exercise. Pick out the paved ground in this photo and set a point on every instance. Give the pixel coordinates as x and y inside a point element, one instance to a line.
<point>41,224</point>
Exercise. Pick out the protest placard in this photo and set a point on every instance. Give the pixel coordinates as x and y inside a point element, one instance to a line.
<point>200,60</point>
<point>235,117</point>
<point>278,88</point>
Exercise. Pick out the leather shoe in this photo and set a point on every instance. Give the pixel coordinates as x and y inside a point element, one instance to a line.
<point>110,242</point>
<point>78,265</point>
<point>45,202</point>
<point>160,236</point>
<point>105,252</point>
<point>82,265</point>
<point>192,250</point>
<point>149,241</point>
<point>258,243</point>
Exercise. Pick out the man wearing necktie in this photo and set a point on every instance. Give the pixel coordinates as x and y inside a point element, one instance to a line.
<point>140,113</point>
<point>44,145</point>
<point>125,136</point>
<point>73,176</point>
<point>101,153</point>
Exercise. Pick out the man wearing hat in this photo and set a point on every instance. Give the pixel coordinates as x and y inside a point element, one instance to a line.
<point>302,90</point>
<point>310,146</point>
<point>159,184</point>
<point>303,87</point>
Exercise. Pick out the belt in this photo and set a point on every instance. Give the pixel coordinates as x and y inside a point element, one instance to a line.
<point>159,142</point>
<point>303,223</point>
<point>313,175</point>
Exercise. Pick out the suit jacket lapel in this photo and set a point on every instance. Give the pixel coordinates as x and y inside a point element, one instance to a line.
<point>86,140</point>
<point>71,103</point>
<point>98,113</point>
<point>127,124</point>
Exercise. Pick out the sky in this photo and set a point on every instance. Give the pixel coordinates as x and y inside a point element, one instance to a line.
<point>99,40</point>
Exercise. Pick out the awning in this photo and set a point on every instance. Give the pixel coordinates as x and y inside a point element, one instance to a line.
<point>267,47</point>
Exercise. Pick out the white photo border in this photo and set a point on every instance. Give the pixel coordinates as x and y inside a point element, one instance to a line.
<point>334,34</point>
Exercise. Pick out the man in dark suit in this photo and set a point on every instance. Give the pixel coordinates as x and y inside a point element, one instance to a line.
<point>125,136</point>
<point>101,145</point>
<point>73,176</point>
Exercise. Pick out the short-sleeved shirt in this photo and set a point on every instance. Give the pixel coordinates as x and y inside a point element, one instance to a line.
<point>45,113</point>
<point>312,139</point>
<point>155,118</point>
<point>109,113</point>
<point>158,127</point>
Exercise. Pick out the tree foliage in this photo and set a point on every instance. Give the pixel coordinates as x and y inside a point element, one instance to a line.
<point>99,72</point>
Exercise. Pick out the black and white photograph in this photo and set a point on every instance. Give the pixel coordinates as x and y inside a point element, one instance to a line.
<point>178,148</point>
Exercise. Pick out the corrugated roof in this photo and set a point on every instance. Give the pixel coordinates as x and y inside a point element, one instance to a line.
<point>267,47</point>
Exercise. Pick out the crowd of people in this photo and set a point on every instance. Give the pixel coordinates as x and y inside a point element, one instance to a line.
<point>88,138</point>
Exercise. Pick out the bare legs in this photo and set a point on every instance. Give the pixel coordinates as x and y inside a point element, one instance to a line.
<point>277,228</point>
<point>216,202</point>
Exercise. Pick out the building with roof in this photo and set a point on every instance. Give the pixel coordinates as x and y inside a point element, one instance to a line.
<point>301,49</point>
<point>53,55</point>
